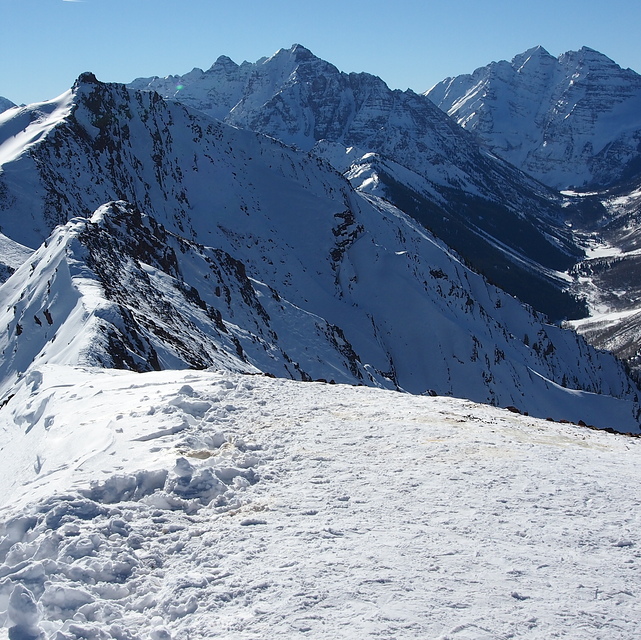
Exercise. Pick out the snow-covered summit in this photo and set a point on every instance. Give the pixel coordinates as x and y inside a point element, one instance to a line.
<point>535,55</point>
<point>571,121</point>
<point>176,505</point>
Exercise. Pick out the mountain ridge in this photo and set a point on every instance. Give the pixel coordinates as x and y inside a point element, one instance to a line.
<point>472,200</point>
<point>331,282</point>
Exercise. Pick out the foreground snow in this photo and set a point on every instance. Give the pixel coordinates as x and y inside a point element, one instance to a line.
<point>209,504</point>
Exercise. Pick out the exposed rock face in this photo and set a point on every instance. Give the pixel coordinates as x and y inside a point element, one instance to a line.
<point>571,122</point>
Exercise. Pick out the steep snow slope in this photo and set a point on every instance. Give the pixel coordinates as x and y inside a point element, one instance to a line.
<point>571,121</point>
<point>238,251</point>
<point>119,291</point>
<point>12,255</point>
<point>194,505</point>
<point>398,145</point>
<point>389,307</point>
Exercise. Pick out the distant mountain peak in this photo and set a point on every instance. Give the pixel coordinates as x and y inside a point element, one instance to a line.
<point>224,62</point>
<point>534,55</point>
<point>587,55</point>
<point>538,50</point>
<point>5,104</point>
<point>552,117</point>
<point>296,55</point>
<point>300,50</point>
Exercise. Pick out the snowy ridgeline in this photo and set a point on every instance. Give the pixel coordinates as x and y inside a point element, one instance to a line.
<point>229,249</point>
<point>210,504</point>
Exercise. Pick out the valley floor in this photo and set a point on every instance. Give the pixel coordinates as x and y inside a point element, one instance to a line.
<point>207,504</point>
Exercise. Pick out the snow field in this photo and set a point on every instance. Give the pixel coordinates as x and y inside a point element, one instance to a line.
<point>198,505</point>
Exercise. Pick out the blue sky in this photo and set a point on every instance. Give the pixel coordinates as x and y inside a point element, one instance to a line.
<point>46,44</point>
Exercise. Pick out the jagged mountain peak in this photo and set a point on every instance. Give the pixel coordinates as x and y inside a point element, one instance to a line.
<point>225,62</point>
<point>87,77</point>
<point>532,57</point>
<point>536,51</point>
<point>553,117</point>
<point>587,55</point>
<point>298,52</point>
<point>287,58</point>
<point>294,64</point>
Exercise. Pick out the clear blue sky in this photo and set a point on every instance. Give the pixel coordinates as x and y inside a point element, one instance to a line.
<point>46,44</point>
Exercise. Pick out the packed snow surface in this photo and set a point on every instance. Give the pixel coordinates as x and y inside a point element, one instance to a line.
<point>211,504</point>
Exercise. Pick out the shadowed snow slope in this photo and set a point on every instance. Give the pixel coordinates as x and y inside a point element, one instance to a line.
<point>191,505</point>
<point>387,306</point>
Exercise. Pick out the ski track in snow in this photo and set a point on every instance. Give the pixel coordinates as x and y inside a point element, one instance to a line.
<point>198,505</point>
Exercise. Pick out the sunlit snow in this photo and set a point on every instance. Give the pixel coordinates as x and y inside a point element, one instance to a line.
<point>207,504</point>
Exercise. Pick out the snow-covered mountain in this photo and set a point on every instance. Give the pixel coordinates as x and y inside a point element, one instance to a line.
<point>397,145</point>
<point>229,249</point>
<point>5,104</point>
<point>572,121</point>
<point>231,502</point>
